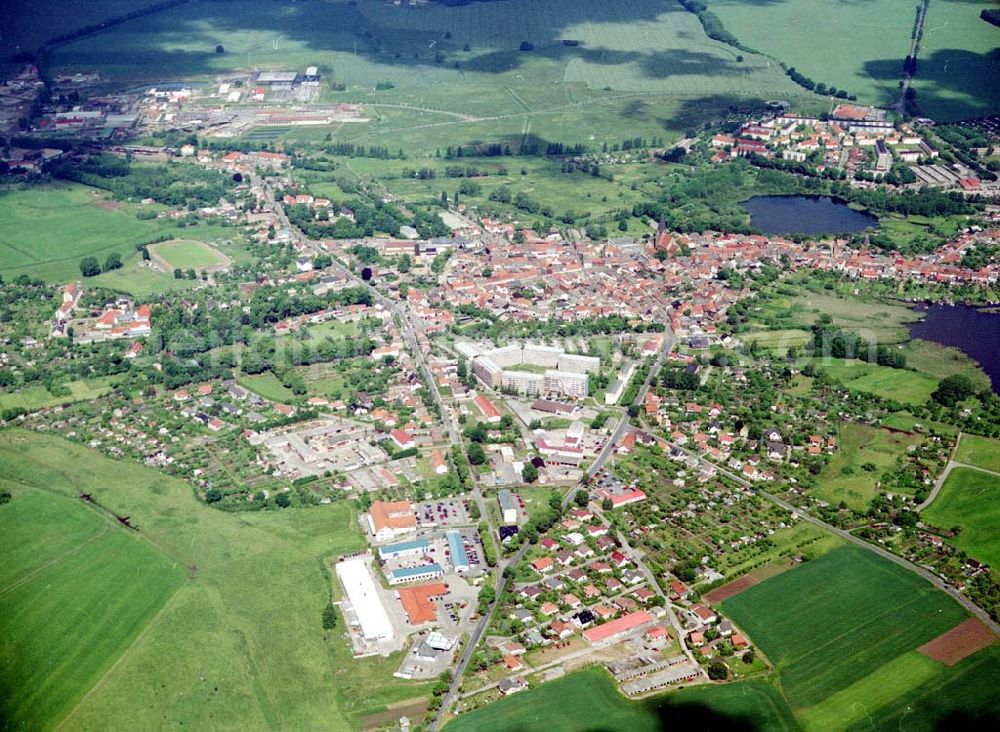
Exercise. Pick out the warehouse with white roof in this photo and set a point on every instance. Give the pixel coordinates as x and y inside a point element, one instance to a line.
<point>365,600</point>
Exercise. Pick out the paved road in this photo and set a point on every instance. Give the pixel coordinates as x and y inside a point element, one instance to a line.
<point>603,456</point>
<point>848,536</point>
<point>944,475</point>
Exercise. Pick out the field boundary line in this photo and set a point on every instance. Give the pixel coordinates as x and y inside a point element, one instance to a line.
<point>121,657</point>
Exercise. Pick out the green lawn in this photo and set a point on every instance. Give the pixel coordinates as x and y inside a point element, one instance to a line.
<point>46,230</point>
<point>843,478</point>
<point>267,385</point>
<point>901,385</point>
<point>188,253</point>
<point>589,700</point>
<point>970,499</point>
<point>76,591</point>
<point>980,451</point>
<point>834,620</point>
<point>238,645</point>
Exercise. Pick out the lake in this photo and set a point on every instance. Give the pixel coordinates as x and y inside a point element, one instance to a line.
<point>812,215</point>
<point>974,331</point>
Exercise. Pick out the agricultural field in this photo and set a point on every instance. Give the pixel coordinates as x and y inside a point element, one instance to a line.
<point>839,618</point>
<point>979,451</point>
<point>901,385</point>
<point>844,478</point>
<point>970,499</point>
<point>249,588</point>
<point>188,253</point>
<point>855,46</point>
<point>958,73</point>
<point>45,231</point>
<point>575,702</point>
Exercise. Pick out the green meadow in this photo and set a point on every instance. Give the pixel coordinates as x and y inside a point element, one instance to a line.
<point>45,231</point>
<point>843,478</point>
<point>198,619</point>
<point>969,499</point>
<point>901,385</point>
<point>188,253</point>
<point>982,452</point>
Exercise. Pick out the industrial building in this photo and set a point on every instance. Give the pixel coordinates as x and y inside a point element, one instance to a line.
<point>365,601</point>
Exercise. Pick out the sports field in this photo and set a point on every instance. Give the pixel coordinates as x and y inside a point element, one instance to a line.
<point>239,638</point>
<point>982,452</point>
<point>843,478</point>
<point>188,253</point>
<point>839,618</point>
<point>589,700</point>
<point>958,74</point>
<point>857,46</point>
<point>45,231</point>
<point>970,499</point>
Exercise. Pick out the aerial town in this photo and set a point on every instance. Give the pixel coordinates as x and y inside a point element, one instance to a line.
<point>326,403</point>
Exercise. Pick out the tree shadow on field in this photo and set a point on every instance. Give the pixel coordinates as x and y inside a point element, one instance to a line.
<point>965,83</point>
<point>699,110</point>
<point>405,37</point>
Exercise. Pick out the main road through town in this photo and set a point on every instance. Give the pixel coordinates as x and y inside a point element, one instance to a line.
<point>409,334</point>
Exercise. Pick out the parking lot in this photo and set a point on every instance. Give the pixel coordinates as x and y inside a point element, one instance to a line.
<point>444,513</point>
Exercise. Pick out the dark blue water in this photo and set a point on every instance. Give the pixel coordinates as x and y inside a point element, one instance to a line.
<point>974,331</point>
<point>812,215</point>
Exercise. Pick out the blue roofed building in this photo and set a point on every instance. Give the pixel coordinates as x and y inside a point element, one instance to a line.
<point>416,547</point>
<point>456,547</point>
<point>422,573</point>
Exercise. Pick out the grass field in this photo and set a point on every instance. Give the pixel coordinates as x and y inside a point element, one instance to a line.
<point>589,700</point>
<point>834,620</point>
<point>38,397</point>
<point>834,43</point>
<point>980,451</point>
<point>970,499</point>
<point>881,322</point>
<point>240,639</point>
<point>940,361</point>
<point>188,253</point>
<point>45,231</point>
<point>843,478</point>
<point>958,75</point>
<point>900,385</point>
